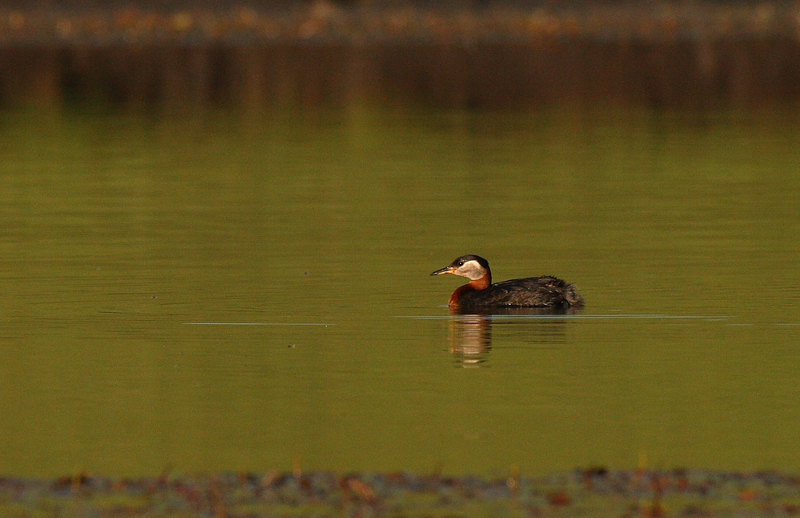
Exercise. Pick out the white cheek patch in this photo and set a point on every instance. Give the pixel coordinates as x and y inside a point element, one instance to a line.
<point>472,270</point>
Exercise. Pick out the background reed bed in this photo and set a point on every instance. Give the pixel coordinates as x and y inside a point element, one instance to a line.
<point>699,55</point>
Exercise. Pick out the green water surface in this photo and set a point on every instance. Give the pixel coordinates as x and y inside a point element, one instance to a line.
<point>134,247</point>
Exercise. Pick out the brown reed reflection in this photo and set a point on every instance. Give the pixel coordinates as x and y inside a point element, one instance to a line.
<point>470,337</point>
<point>323,53</point>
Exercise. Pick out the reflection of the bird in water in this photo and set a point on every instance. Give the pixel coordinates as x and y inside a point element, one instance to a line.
<point>470,338</point>
<point>471,332</point>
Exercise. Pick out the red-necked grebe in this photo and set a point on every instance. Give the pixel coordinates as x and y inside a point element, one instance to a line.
<point>532,292</point>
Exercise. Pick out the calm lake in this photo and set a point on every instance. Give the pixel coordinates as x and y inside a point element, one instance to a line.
<point>251,292</point>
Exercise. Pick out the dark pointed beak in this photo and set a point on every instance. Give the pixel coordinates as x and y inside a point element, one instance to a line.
<point>446,269</point>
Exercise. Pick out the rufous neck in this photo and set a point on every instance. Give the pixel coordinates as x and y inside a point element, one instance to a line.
<point>482,283</point>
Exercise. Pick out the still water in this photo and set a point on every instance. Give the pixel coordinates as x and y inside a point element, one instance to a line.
<point>226,292</point>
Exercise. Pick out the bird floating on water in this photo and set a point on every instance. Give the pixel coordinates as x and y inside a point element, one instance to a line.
<point>532,292</point>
